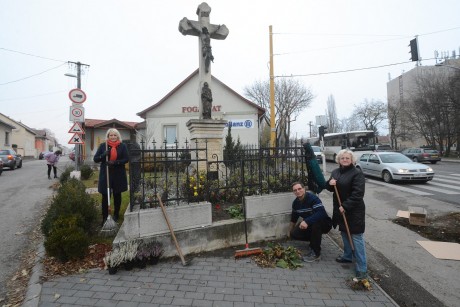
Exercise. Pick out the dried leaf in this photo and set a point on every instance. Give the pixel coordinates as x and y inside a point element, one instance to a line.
<point>24,273</point>
<point>56,296</point>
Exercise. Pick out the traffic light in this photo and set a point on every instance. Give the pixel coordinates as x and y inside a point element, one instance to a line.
<point>321,131</point>
<point>414,50</point>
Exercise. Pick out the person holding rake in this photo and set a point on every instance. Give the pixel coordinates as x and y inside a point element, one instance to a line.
<point>113,155</point>
<point>348,185</point>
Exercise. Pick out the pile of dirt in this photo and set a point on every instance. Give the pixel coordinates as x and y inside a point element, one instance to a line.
<point>443,228</point>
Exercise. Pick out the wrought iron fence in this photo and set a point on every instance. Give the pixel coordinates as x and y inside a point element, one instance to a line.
<point>184,175</point>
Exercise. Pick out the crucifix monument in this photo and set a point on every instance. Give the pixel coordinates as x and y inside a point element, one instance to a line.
<point>205,32</point>
<point>205,131</point>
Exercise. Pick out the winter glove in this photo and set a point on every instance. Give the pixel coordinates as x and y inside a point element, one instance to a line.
<point>105,154</point>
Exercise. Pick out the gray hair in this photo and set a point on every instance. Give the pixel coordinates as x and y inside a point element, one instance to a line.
<point>345,151</point>
<point>113,130</point>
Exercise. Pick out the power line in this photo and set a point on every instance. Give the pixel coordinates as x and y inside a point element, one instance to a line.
<point>342,71</point>
<point>34,75</point>
<point>29,54</point>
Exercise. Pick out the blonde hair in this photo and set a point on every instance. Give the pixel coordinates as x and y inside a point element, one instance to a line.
<point>345,151</point>
<point>113,130</point>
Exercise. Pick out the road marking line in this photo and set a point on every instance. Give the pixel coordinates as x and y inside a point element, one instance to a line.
<point>444,185</point>
<point>456,175</point>
<point>445,180</point>
<point>444,176</point>
<point>397,187</point>
<point>438,190</point>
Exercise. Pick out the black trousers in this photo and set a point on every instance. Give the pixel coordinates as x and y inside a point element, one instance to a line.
<point>54,169</point>
<point>116,206</point>
<point>313,233</point>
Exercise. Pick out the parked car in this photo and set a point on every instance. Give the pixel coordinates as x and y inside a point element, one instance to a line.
<point>393,166</point>
<point>318,152</point>
<point>379,147</point>
<point>1,167</point>
<point>10,158</point>
<point>422,155</point>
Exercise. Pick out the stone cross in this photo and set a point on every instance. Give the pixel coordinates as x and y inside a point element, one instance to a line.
<point>205,32</point>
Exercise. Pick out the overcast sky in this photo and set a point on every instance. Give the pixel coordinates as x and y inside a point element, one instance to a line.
<point>137,55</point>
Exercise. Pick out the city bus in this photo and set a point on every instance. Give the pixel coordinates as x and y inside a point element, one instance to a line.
<point>357,141</point>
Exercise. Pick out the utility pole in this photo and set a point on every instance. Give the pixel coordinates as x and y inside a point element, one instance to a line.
<point>78,147</point>
<point>272,94</point>
<point>310,124</point>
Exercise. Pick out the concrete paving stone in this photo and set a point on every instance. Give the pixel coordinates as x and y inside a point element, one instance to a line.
<point>180,301</point>
<point>137,291</point>
<point>48,304</point>
<point>97,281</point>
<point>301,294</point>
<point>103,295</point>
<point>214,296</point>
<point>63,285</point>
<point>174,294</point>
<point>202,303</point>
<point>378,298</point>
<point>358,297</point>
<point>145,279</point>
<point>82,287</point>
<point>127,304</point>
<point>148,305</point>
<point>314,302</point>
<point>223,304</point>
<point>162,280</point>
<point>227,279</point>
<point>376,304</point>
<point>176,275</point>
<point>133,284</point>
<point>86,301</point>
<point>142,298</point>
<point>354,303</point>
<point>243,304</point>
<point>162,300</point>
<point>116,289</point>
<point>99,288</point>
<point>168,287</point>
<point>233,297</point>
<point>84,293</point>
<point>326,290</point>
<point>66,300</point>
<point>281,293</point>
<point>187,288</point>
<point>205,289</point>
<point>261,281</point>
<point>123,297</point>
<point>217,284</point>
<point>273,300</point>
<point>64,292</point>
<point>106,303</point>
<point>265,305</point>
<point>235,285</point>
<point>115,283</point>
<point>192,277</point>
<point>49,298</point>
<point>244,291</point>
<point>194,295</point>
<point>253,298</point>
<point>155,292</point>
<point>293,301</point>
<point>334,302</point>
<point>279,282</point>
<point>225,290</point>
<point>340,296</point>
<point>128,277</point>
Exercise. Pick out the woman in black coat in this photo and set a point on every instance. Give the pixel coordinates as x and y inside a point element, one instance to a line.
<point>113,154</point>
<point>350,184</point>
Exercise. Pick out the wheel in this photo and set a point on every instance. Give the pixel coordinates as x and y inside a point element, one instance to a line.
<point>433,162</point>
<point>359,169</point>
<point>335,158</point>
<point>13,167</point>
<point>387,177</point>
<point>20,164</point>
<point>415,159</point>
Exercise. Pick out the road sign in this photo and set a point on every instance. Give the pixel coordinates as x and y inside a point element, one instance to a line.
<point>77,95</point>
<point>76,128</point>
<point>76,139</point>
<point>77,114</point>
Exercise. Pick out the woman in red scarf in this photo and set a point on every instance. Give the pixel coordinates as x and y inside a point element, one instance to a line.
<point>112,154</point>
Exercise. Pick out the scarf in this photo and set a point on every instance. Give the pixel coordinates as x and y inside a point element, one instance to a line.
<point>113,150</point>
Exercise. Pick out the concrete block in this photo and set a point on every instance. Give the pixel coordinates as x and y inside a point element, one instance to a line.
<point>266,205</point>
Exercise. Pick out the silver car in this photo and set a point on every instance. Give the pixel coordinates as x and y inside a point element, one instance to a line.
<point>393,166</point>
<point>10,158</point>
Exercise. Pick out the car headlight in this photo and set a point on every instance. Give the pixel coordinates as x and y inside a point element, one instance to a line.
<point>403,170</point>
<point>429,169</point>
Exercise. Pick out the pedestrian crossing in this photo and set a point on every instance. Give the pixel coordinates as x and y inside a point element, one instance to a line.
<point>448,184</point>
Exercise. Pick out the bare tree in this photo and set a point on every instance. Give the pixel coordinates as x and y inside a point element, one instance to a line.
<point>433,109</point>
<point>331,113</point>
<point>371,114</point>
<point>350,124</point>
<point>291,97</point>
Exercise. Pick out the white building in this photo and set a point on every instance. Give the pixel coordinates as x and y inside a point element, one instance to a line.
<point>165,121</point>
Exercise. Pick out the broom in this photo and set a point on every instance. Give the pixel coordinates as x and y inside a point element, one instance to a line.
<point>110,226</point>
<point>247,251</point>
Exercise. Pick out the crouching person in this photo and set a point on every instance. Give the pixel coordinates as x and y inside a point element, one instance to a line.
<point>314,221</point>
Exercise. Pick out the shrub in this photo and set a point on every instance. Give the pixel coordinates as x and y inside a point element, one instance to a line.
<point>72,200</point>
<point>86,171</point>
<point>66,174</point>
<point>66,239</point>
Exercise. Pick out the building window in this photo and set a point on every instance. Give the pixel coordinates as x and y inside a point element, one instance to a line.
<point>7,138</point>
<point>170,134</point>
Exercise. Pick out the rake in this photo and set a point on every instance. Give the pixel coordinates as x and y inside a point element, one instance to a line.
<point>110,227</point>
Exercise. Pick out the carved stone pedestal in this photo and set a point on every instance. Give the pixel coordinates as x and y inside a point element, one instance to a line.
<point>207,133</point>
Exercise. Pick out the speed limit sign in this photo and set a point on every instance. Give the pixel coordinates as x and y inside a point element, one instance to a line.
<point>77,114</point>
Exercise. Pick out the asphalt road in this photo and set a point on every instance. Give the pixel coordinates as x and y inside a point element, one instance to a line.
<point>23,194</point>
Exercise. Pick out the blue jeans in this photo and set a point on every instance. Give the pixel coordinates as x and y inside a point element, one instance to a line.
<point>360,250</point>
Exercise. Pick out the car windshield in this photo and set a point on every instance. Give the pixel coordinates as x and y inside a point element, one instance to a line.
<point>395,158</point>
<point>4,152</point>
<point>316,149</point>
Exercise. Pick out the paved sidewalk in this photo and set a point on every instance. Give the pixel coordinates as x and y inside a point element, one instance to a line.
<point>215,279</point>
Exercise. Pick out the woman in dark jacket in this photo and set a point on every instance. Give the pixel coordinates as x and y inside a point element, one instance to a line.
<point>350,185</point>
<point>113,154</point>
